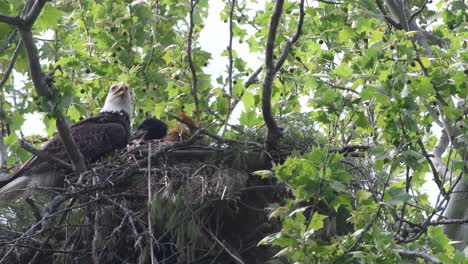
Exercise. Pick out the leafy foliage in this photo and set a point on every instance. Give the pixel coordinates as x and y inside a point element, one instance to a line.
<point>352,79</point>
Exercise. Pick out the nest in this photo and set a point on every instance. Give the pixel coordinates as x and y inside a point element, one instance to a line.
<point>177,203</point>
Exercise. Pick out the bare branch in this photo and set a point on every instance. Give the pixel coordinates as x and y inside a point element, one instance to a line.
<point>421,255</point>
<point>193,4</point>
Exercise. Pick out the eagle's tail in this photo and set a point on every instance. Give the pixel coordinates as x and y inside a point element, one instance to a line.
<point>15,186</point>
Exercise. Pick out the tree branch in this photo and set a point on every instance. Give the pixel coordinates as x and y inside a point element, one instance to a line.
<point>273,131</point>
<point>422,255</point>
<point>44,89</point>
<point>193,4</point>
<point>448,222</point>
<point>9,69</point>
<point>3,151</point>
<point>14,21</point>
<point>290,43</point>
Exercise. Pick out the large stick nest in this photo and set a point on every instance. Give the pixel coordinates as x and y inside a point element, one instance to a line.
<point>204,207</point>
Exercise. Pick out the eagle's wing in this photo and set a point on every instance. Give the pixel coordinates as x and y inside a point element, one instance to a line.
<point>93,137</point>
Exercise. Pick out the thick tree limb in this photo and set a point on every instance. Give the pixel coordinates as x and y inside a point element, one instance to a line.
<point>271,68</point>
<point>14,21</point>
<point>273,131</point>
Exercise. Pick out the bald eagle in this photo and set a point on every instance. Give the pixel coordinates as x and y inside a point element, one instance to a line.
<point>95,137</point>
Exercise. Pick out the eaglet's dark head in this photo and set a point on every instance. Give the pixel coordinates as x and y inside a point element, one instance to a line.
<point>151,128</point>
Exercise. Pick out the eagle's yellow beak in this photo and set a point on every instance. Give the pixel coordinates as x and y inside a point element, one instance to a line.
<point>120,89</point>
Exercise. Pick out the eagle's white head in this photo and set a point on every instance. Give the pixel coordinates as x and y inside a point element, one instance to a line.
<point>118,99</point>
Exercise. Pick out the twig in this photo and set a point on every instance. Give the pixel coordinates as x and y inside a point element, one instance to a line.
<point>44,155</point>
<point>193,4</point>
<point>234,256</point>
<point>150,199</point>
<point>435,173</point>
<point>330,2</point>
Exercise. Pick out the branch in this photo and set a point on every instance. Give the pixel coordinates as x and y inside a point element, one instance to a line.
<point>399,11</point>
<point>251,80</point>
<point>73,152</point>
<point>448,222</point>
<point>40,81</point>
<point>417,11</point>
<point>253,77</point>
<point>421,255</point>
<point>3,151</point>
<point>437,180</point>
<point>273,131</point>
<point>9,69</point>
<point>33,14</point>
<point>193,4</point>
<point>44,155</point>
<point>14,21</point>
<point>290,43</point>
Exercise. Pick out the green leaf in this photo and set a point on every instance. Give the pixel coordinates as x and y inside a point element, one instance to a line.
<point>249,119</point>
<point>316,222</point>
<point>396,195</point>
